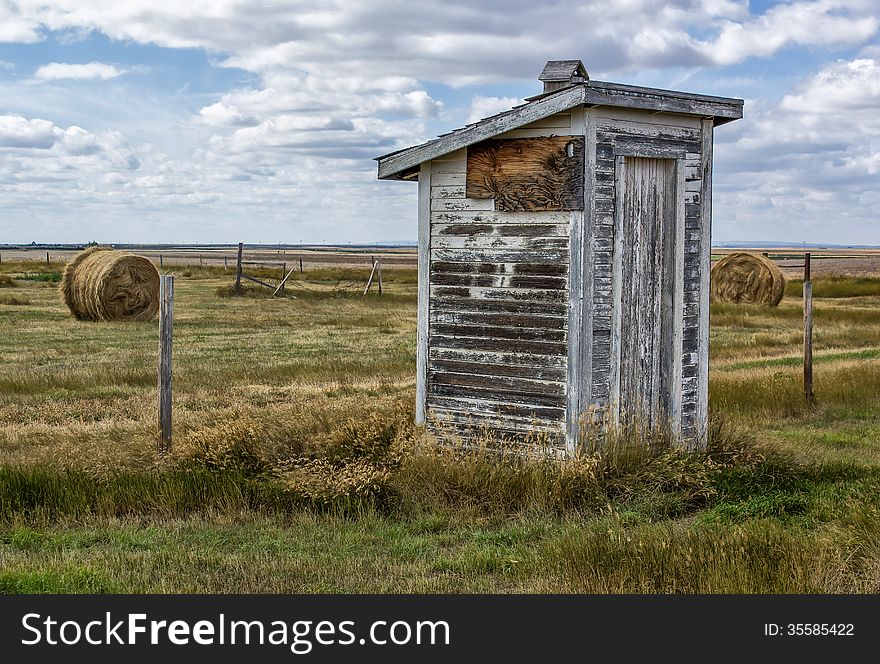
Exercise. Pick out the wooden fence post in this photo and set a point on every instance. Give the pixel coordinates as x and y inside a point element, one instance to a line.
<point>225,265</point>
<point>161,262</point>
<point>238,269</point>
<point>379,275</point>
<point>166,329</point>
<point>300,264</point>
<point>370,280</point>
<point>808,332</point>
<point>283,275</point>
<point>200,261</point>
<point>47,259</point>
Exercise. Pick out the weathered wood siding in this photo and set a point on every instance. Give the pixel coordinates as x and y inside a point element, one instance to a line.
<point>498,308</point>
<point>663,136</point>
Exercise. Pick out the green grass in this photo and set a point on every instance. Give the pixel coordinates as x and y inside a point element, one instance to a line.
<point>295,468</point>
<point>46,277</point>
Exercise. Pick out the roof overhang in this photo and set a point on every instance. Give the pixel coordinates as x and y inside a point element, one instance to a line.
<point>403,164</point>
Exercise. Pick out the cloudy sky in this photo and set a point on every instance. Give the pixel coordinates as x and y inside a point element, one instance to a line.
<point>255,120</point>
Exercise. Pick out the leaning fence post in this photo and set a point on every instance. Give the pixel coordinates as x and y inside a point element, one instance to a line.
<point>238,268</point>
<point>370,280</point>
<point>166,328</point>
<point>808,332</point>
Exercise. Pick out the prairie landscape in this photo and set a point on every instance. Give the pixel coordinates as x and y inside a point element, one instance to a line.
<point>295,466</point>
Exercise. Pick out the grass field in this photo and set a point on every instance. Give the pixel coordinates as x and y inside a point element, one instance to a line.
<point>294,467</point>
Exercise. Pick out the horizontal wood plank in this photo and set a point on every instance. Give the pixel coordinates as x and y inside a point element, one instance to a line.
<point>439,293</point>
<point>462,391</point>
<point>495,357</point>
<point>537,388</point>
<point>526,245</point>
<point>487,369</point>
<point>493,218</point>
<point>499,281</point>
<point>499,230</point>
<point>467,304</point>
<point>542,270</point>
<point>554,255</point>
<point>496,332</point>
<point>499,319</point>
<point>483,204</point>
<point>501,345</point>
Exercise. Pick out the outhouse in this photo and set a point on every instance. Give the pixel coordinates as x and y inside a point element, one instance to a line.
<point>564,256</point>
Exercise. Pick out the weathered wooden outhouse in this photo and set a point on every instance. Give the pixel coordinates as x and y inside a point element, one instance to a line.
<point>564,256</point>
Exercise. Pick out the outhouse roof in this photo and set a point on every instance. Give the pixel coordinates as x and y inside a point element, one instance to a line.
<point>403,164</point>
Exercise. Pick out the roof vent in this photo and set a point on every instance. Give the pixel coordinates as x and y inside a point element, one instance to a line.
<point>560,74</point>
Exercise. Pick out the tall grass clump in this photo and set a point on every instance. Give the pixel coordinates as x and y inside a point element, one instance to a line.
<point>495,476</point>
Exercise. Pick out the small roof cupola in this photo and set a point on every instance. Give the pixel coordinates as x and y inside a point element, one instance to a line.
<point>558,74</point>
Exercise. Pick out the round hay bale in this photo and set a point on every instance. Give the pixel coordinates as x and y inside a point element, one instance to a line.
<point>746,278</point>
<point>100,284</point>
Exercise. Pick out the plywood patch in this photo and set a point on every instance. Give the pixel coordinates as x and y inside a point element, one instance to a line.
<point>528,174</point>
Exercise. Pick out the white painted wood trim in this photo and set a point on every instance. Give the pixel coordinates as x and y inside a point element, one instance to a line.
<point>702,423</point>
<point>589,267</point>
<point>617,290</point>
<point>576,291</point>
<point>678,300</point>
<point>424,290</point>
<point>586,354</point>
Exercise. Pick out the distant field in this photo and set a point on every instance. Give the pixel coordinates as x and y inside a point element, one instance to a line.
<point>218,257</point>
<point>294,469</point>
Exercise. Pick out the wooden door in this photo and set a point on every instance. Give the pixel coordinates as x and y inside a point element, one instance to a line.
<point>647,291</point>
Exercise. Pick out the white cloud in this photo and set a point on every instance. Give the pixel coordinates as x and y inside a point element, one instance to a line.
<point>805,168</point>
<point>19,132</point>
<point>55,71</point>
<point>6,65</point>
<point>441,40</point>
<point>28,139</point>
<point>336,83</point>
<point>820,23</point>
<point>845,86</point>
<point>18,28</point>
<point>224,115</point>
<point>483,107</point>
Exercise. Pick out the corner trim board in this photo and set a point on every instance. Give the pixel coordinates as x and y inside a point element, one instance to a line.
<point>424,289</point>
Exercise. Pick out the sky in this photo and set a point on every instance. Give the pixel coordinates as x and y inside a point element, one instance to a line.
<point>258,120</point>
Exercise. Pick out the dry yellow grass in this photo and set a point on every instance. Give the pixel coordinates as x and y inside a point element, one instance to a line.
<point>324,383</point>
